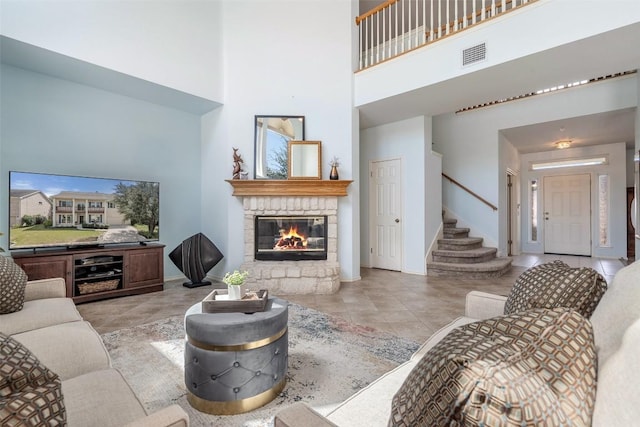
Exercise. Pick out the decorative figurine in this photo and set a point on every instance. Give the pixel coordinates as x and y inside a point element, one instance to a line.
<point>237,164</point>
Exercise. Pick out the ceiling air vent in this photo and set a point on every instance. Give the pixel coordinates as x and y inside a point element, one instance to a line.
<point>474,54</point>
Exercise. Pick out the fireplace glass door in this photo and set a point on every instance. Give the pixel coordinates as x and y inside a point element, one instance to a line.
<point>298,237</point>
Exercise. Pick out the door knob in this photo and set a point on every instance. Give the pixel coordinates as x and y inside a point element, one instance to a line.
<point>397,220</point>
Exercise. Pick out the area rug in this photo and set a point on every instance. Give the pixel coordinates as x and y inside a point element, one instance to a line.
<point>329,360</point>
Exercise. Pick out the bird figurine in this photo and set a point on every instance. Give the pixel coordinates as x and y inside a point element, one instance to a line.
<point>237,164</point>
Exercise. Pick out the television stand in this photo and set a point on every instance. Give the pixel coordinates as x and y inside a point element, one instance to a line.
<point>93,274</point>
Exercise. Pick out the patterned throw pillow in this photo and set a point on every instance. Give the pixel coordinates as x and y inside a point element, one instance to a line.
<point>555,284</point>
<point>530,368</point>
<point>13,280</point>
<point>30,393</point>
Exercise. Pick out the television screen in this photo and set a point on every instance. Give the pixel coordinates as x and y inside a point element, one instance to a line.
<point>48,210</point>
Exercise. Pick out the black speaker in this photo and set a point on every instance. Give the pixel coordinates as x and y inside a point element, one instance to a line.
<point>195,256</point>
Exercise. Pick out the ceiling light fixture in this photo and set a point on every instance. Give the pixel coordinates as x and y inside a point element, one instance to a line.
<point>565,143</point>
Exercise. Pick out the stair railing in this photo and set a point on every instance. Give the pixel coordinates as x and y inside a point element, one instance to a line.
<point>453,181</point>
<point>395,27</point>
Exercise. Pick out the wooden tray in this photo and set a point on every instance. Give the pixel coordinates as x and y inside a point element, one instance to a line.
<point>217,302</point>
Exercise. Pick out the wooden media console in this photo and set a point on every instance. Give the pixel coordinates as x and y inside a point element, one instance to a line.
<point>97,273</point>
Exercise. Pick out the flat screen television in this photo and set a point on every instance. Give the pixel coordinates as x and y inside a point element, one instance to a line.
<point>48,211</point>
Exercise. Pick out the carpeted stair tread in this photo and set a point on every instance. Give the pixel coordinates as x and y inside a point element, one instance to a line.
<point>476,255</point>
<point>468,253</point>
<point>456,231</point>
<point>460,244</point>
<point>494,268</point>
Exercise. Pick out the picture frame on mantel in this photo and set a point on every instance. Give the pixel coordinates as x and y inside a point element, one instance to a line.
<point>304,160</point>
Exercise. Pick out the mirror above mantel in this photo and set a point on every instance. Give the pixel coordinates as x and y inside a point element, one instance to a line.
<point>305,158</point>
<point>272,136</point>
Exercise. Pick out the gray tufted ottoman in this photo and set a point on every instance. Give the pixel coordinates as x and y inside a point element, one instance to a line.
<point>235,362</point>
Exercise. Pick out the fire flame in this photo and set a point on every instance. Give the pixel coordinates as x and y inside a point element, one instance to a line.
<point>291,239</point>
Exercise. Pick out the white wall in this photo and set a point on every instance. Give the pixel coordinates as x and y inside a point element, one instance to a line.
<point>407,141</point>
<point>214,194</point>
<point>470,143</point>
<point>637,149</point>
<point>616,169</point>
<point>172,43</point>
<point>433,196</point>
<point>277,64</point>
<point>55,126</point>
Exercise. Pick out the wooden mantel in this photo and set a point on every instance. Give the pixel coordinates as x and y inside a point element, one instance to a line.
<point>289,187</point>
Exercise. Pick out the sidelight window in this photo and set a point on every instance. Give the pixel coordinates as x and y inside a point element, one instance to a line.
<point>533,212</point>
<point>603,210</point>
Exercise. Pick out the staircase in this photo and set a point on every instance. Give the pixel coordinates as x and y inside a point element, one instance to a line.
<point>459,255</point>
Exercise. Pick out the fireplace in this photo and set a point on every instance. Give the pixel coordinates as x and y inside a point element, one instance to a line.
<point>290,276</point>
<point>290,238</point>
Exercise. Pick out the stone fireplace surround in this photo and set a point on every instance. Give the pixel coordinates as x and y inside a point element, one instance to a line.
<point>292,277</point>
<point>288,197</point>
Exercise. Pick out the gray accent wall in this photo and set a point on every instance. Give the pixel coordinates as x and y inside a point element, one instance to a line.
<point>50,125</point>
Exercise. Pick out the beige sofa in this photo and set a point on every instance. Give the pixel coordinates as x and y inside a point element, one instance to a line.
<point>616,330</point>
<point>94,393</point>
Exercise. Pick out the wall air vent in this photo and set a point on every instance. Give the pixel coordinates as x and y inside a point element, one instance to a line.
<point>474,54</point>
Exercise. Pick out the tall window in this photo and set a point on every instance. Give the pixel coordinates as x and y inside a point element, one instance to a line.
<point>95,219</point>
<point>65,219</point>
<point>603,210</point>
<point>533,202</point>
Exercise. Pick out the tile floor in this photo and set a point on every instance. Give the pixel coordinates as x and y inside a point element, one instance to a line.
<point>408,305</point>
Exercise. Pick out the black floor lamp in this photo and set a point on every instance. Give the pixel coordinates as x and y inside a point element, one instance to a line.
<point>195,256</point>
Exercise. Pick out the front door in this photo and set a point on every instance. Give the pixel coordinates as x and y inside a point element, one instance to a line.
<point>567,214</point>
<point>385,189</point>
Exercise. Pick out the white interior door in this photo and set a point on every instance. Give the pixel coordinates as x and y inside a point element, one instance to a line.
<point>385,189</point>
<point>567,214</point>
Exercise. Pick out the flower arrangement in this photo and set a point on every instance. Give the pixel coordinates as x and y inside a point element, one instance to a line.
<point>334,162</point>
<point>236,278</point>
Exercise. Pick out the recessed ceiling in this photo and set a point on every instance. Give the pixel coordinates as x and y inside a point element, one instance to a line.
<point>594,129</point>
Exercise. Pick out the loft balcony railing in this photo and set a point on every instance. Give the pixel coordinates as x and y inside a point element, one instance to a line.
<point>396,27</point>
